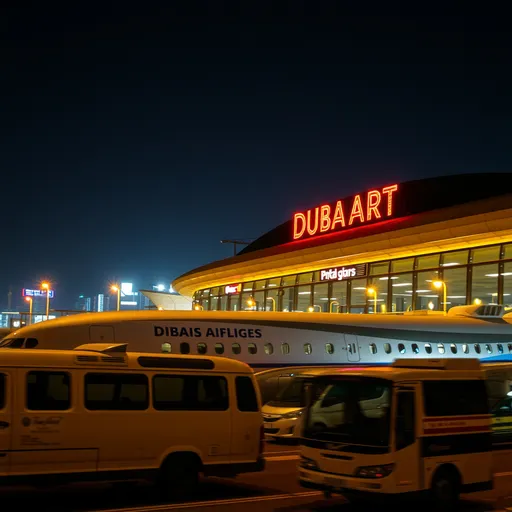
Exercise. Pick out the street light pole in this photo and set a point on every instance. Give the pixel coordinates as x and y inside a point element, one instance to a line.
<point>117,289</point>
<point>439,284</point>
<point>235,243</point>
<point>29,300</point>
<point>46,286</point>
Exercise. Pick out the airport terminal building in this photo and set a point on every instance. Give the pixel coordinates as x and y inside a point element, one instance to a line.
<point>392,249</point>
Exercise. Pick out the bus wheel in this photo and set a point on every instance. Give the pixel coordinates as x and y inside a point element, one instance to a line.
<point>445,490</point>
<point>179,475</point>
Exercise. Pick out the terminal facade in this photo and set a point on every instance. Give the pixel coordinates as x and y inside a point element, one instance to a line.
<point>383,250</point>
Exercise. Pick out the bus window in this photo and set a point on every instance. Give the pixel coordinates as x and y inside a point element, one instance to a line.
<point>404,426</point>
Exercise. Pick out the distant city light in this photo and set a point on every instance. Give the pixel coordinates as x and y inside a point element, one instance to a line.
<point>160,287</point>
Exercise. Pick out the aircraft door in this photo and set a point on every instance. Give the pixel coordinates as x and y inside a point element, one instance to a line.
<point>352,347</point>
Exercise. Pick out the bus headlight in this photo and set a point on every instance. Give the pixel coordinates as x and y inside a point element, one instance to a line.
<point>375,471</point>
<point>292,415</point>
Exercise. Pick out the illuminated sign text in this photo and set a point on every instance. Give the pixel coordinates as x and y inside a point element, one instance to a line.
<point>36,293</point>
<point>340,273</point>
<point>374,205</point>
<point>232,288</point>
<point>209,332</point>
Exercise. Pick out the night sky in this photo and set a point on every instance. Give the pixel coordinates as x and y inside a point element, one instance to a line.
<point>134,140</point>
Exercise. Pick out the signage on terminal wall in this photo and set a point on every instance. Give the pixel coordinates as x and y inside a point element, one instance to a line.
<point>230,289</point>
<point>371,207</point>
<point>341,273</point>
<point>36,293</point>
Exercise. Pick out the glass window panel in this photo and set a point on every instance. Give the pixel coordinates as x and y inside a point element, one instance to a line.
<point>507,284</point>
<point>358,292</point>
<point>223,303</point>
<point>484,284</point>
<point>339,296</point>
<point>287,299</point>
<point>507,251</point>
<point>234,302</point>
<point>259,285</point>
<point>272,299</point>
<point>305,278</point>
<point>214,303</point>
<point>303,297</point>
<point>289,280</point>
<point>429,261</point>
<point>380,300</point>
<point>427,297</point>
<point>455,279</point>
<point>206,293</point>
<point>215,291</point>
<point>450,259</point>
<point>259,298</point>
<point>321,297</point>
<point>206,304</point>
<point>402,265</point>
<point>485,254</point>
<point>401,293</point>
<point>379,268</point>
<point>247,286</point>
<point>274,283</point>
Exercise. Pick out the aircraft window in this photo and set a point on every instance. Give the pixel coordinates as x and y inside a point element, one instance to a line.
<point>440,348</point>
<point>401,348</point>
<point>500,348</point>
<point>428,348</point>
<point>184,347</point>
<point>31,343</point>
<point>465,348</point>
<point>236,348</point>
<point>329,348</point>
<point>252,348</point>
<point>387,348</point>
<point>477,348</point>
<point>166,347</point>
<point>453,348</point>
<point>373,348</point>
<point>269,349</point>
<point>202,348</point>
<point>488,348</point>
<point>415,348</point>
<point>285,349</point>
<point>509,346</point>
<point>308,349</point>
<point>219,348</point>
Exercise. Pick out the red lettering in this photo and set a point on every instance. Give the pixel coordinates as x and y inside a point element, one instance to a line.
<point>312,230</point>
<point>357,210</point>
<point>389,191</point>
<point>297,233</point>
<point>325,220</point>
<point>338,216</point>
<point>372,204</point>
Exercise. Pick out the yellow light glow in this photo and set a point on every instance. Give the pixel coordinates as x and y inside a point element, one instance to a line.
<point>311,309</point>
<point>28,299</point>
<point>477,302</point>
<point>45,286</point>
<point>250,303</point>
<point>438,284</point>
<point>160,308</point>
<point>431,305</point>
<point>114,288</point>
<point>371,291</point>
<point>198,307</point>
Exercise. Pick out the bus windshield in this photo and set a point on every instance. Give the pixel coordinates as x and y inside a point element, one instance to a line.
<point>350,410</point>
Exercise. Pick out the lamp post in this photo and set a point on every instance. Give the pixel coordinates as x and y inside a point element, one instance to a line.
<point>438,285</point>
<point>117,290</point>
<point>332,304</point>
<point>46,286</point>
<point>273,302</point>
<point>29,300</point>
<point>372,291</point>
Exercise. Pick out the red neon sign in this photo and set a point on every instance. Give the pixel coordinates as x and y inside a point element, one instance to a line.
<point>373,206</point>
<point>232,288</point>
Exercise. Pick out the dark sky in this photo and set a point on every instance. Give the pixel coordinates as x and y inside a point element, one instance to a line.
<point>134,140</point>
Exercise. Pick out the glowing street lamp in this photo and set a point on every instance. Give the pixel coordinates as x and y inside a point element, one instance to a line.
<point>311,309</point>
<point>198,307</point>
<point>251,302</point>
<point>373,292</point>
<point>334,302</point>
<point>46,286</point>
<point>29,300</point>
<point>477,302</point>
<point>439,285</point>
<point>117,289</point>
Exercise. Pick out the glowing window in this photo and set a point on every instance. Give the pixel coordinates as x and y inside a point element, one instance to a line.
<point>428,348</point>
<point>329,348</point>
<point>453,348</point>
<point>308,349</point>
<point>166,347</point>
<point>285,348</point>
<point>440,348</point>
<point>269,349</point>
<point>373,348</point>
<point>387,348</point>
<point>401,348</point>
<point>202,348</point>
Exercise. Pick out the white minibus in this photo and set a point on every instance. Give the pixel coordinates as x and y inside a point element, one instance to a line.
<point>416,427</point>
<point>99,412</point>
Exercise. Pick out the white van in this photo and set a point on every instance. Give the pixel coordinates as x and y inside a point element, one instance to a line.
<point>100,413</point>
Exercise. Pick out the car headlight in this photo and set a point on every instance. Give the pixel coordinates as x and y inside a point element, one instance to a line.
<point>292,415</point>
<point>375,471</point>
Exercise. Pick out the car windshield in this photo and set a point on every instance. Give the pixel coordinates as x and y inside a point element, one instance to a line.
<point>290,395</point>
<point>350,410</point>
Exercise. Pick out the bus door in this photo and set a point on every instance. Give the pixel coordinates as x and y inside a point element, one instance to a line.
<point>406,444</point>
<point>5,422</point>
<point>352,347</point>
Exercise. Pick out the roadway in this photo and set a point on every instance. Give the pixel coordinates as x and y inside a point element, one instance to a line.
<point>275,489</point>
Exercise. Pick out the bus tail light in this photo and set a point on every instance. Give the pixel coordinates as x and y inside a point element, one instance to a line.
<point>374,471</point>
